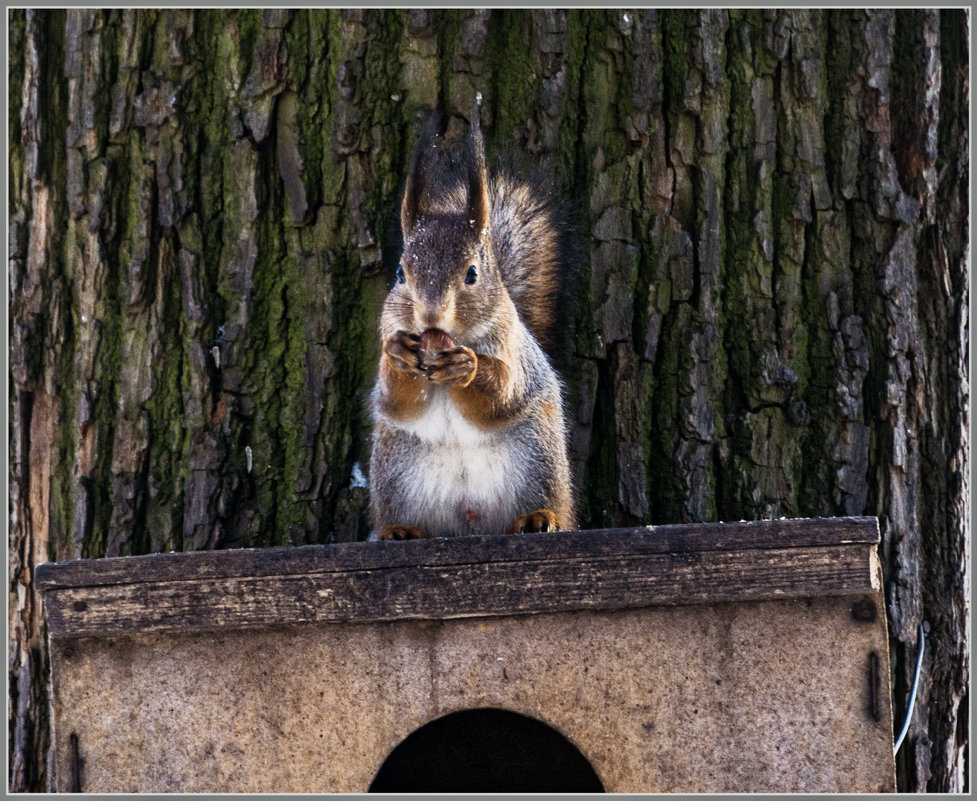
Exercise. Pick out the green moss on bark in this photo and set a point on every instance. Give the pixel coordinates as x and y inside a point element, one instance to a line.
<point>167,456</point>
<point>509,52</point>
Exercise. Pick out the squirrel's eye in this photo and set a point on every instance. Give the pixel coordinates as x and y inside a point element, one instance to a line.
<point>400,274</point>
<point>472,275</point>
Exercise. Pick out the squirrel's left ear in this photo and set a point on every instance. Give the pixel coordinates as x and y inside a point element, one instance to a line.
<point>420,173</point>
<point>479,206</point>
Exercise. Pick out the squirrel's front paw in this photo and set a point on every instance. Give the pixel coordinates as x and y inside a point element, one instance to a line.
<point>403,350</point>
<point>453,367</point>
<point>540,520</point>
<point>399,532</point>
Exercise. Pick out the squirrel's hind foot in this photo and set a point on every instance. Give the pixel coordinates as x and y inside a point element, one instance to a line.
<point>539,521</point>
<point>398,532</point>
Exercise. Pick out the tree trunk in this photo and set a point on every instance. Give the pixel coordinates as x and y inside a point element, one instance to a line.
<point>770,316</point>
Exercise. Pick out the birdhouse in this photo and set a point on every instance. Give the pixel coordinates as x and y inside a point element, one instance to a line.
<point>727,657</point>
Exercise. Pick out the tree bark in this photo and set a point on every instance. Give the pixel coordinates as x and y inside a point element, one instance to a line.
<point>769,318</point>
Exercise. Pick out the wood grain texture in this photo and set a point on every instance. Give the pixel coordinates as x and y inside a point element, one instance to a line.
<point>768,696</point>
<point>679,538</point>
<point>463,577</point>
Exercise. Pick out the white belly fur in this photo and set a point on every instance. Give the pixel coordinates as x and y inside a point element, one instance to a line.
<point>464,482</point>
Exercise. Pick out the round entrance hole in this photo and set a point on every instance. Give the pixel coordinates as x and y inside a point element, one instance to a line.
<point>486,750</point>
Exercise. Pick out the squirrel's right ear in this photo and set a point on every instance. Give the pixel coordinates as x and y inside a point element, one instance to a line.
<point>420,172</point>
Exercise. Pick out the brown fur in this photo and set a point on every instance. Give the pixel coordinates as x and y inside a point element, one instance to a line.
<point>480,399</point>
<point>401,397</point>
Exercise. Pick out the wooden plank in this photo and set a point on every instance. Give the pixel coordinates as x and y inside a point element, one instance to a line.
<point>309,559</point>
<point>620,581</point>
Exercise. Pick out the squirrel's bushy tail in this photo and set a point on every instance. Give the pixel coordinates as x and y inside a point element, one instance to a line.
<point>531,250</point>
<point>531,239</point>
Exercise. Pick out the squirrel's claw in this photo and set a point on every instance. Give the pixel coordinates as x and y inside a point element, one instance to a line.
<point>403,350</point>
<point>399,532</point>
<point>539,521</point>
<point>453,367</point>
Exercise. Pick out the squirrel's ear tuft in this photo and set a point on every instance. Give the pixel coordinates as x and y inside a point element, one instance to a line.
<point>479,206</point>
<point>420,172</point>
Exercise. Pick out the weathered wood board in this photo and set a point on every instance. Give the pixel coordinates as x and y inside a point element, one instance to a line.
<point>721,657</point>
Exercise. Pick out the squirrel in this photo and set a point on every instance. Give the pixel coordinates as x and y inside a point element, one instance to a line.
<point>469,434</point>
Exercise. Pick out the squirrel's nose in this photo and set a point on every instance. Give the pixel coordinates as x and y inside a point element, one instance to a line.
<point>431,315</point>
